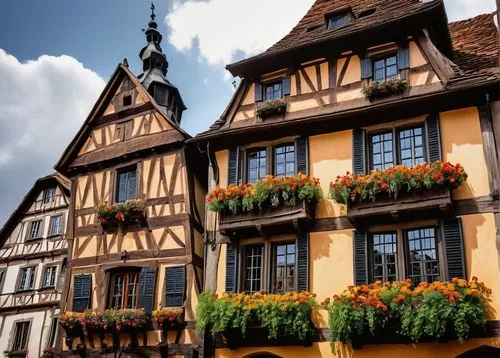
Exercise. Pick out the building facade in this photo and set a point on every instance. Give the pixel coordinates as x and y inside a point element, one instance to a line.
<point>33,257</point>
<point>447,110</point>
<point>131,151</point>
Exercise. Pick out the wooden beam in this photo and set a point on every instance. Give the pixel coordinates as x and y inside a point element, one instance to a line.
<point>490,149</point>
<point>124,114</point>
<point>440,64</point>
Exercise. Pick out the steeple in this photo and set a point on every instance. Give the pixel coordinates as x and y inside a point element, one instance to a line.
<point>154,76</point>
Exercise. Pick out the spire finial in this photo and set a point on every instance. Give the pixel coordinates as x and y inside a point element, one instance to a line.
<point>153,16</point>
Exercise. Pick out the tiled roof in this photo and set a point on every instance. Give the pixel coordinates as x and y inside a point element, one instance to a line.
<point>475,44</point>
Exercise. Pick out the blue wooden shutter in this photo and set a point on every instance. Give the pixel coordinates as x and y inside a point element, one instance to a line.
<point>433,135</point>
<point>286,86</point>
<point>147,284</point>
<point>403,58</point>
<point>232,167</point>
<point>360,258</point>
<point>454,248</point>
<point>366,68</point>
<point>303,262</point>
<point>258,92</point>
<point>231,267</point>
<point>358,151</point>
<point>175,286</point>
<point>302,155</point>
<point>82,288</point>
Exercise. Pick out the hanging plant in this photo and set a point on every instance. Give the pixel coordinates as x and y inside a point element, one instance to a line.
<point>271,108</point>
<point>388,87</point>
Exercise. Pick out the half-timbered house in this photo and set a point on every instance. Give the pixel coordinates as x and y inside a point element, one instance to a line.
<point>320,102</point>
<point>131,150</point>
<point>33,251</point>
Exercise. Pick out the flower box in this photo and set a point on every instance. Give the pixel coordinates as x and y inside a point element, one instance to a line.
<point>385,88</point>
<point>412,205</point>
<point>271,219</point>
<point>271,108</point>
<point>169,318</point>
<point>129,213</point>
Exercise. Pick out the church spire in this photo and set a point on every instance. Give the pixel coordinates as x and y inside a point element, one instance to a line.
<point>155,67</point>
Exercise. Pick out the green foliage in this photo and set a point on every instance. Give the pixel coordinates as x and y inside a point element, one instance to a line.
<point>271,108</point>
<point>384,88</point>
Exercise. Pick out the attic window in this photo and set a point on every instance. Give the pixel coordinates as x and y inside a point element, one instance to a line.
<point>367,12</point>
<point>127,100</point>
<point>338,21</point>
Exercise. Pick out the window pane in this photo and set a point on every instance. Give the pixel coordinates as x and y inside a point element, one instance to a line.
<point>382,151</point>
<point>411,146</point>
<point>257,165</point>
<point>273,91</point>
<point>422,255</point>
<point>127,185</point>
<point>253,267</point>
<point>338,21</point>
<point>284,154</point>
<point>385,68</point>
<point>284,278</point>
<point>384,256</point>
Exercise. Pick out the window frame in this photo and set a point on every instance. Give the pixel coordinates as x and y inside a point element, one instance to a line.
<point>121,170</point>
<point>20,279</point>
<point>396,145</point>
<point>247,162</point>
<point>125,287</point>
<point>51,198</point>
<point>44,277</point>
<point>27,332</point>
<point>402,251</point>
<point>3,273</point>
<point>384,57</point>
<point>39,234</point>
<point>269,84</point>
<point>274,265</point>
<point>270,158</point>
<point>51,223</point>
<point>275,154</point>
<point>268,260</point>
<point>336,16</point>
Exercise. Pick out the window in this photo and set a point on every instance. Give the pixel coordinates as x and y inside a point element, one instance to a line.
<point>338,21</point>
<point>422,255</point>
<point>49,276</point>
<point>284,272</point>
<point>55,225</point>
<point>48,195</point>
<point>257,165</point>
<point>2,277</point>
<point>284,160</point>
<point>405,146</point>
<point>124,290</point>
<point>127,185</point>
<point>53,331</point>
<point>127,100</point>
<point>26,278</point>
<point>175,286</point>
<point>253,268</point>
<point>273,91</point>
<point>385,68</point>
<point>414,250</point>
<point>35,231</point>
<point>21,335</point>
<point>384,256</point>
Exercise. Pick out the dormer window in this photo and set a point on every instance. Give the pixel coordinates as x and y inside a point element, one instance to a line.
<point>273,91</point>
<point>127,101</point>
<point>338,21</point>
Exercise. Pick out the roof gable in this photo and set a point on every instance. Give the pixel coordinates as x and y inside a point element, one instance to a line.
<point>110,109</point>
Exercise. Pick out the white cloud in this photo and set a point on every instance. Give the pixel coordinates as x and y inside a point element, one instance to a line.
<point>43,102</point>
<point>464,9</point>
<point>223,27</point>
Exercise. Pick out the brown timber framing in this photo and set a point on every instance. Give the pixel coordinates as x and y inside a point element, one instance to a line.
<point>490,149</point>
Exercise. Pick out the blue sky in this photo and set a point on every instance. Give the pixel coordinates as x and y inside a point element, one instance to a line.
<point>56,55</point>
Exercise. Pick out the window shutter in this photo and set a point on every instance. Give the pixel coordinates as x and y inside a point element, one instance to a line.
<point>231,268</point>
<point>358,151</point>
<point>303,262</point>
<point>302,155</point>
<point>232,167</point>
<point>147,283</point>
<point>433,138</point>
<point>258,92</point>
<point>454,248</point>
<point>403,58</point>
<point>360,258</point>
<point>366,68</point>
<point>175,286</point>
<point>82,287</point>
<point>286,86</point>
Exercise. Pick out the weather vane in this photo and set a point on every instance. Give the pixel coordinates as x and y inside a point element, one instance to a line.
<point>153,16</point>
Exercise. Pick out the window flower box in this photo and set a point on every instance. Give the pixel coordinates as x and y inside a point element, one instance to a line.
<point>398,191</point>
<point>390,312</point>
<point>169,318</point>
<point>131,212</point>
<point>271,108</point>
<point>385,88</point>
<point>270,202</point>
<point>238,319</point>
